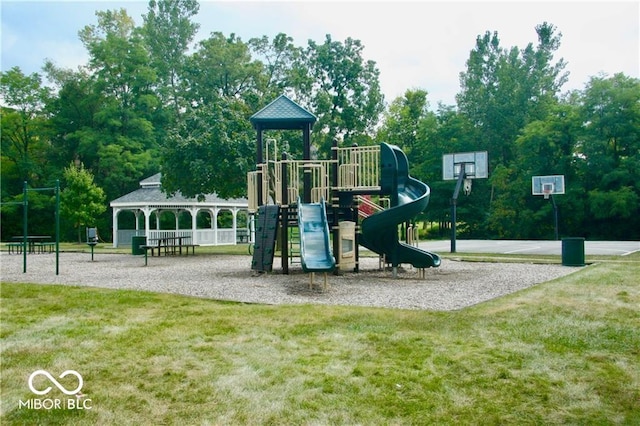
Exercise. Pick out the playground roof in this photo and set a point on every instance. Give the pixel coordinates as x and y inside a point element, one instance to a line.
<point>282,114</point>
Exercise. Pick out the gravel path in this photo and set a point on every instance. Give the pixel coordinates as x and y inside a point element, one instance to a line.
<point>454,285</point>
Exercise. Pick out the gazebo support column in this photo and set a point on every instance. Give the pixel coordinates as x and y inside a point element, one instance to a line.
<point>234,213</point>
<point>214,224</point>
<point>115,228</point>
<point>147,219</point>
<point>194,224</point>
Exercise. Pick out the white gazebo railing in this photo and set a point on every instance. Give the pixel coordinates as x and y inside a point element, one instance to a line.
<point>149,202</point>
<point>203,237</point>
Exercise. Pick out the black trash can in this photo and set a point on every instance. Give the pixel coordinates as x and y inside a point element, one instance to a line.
<point>136,242</point>
<point>573,251</point>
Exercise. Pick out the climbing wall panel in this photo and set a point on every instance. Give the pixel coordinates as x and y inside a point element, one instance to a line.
<point>266,233</point>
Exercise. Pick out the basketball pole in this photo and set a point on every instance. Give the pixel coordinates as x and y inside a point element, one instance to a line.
<point>454,203</point>
<point>555,216</point>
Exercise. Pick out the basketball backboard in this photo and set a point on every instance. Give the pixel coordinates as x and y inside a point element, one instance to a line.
<point>476,165</point>
<point>547,185</point>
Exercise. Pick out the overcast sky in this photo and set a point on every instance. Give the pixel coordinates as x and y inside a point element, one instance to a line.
<point>417,44</point>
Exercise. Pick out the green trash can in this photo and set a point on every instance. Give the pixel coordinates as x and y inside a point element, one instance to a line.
<point>136,242</point>
<point>573,251</point>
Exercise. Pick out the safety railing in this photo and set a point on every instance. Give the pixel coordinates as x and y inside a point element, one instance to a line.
<point>252,191</point>
<point>367,206</point>
<point>359,168</point>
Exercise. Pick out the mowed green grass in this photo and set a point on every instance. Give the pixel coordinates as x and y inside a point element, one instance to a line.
<point>563,352</point>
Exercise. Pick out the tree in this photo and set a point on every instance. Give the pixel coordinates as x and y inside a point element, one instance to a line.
<point>210,148</point>
<point>503,90</point>
<point>72,124</point>
<point>81,200</point>
<point>23,137</point>
<point>210,151</point>
<point>221,67</point>
<point>608,154</point>
<point>345,93</point>
<point>282,69</point>
<point>168,32</point>
<point>123,134</point>
<point>404,124</point>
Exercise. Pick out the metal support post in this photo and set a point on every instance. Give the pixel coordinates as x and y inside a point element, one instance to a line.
<point>24,228</point>
<point>555,217</point>
<point>284,212</point>
<point>57,189</point>
<point>454,203</point>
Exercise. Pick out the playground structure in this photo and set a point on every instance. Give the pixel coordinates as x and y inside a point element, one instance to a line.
<point>299,203</point>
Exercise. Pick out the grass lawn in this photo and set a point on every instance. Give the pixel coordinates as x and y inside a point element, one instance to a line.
<point>563,352</point>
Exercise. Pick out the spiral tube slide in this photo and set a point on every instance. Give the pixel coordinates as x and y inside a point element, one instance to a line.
<point>409,197</point>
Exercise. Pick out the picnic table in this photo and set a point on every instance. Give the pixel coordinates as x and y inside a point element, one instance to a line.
<point>35,244</point>
<point>170,245</point>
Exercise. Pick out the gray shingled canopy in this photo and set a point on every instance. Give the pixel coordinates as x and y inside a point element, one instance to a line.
<point>282,114</point>
<point>151,193</point>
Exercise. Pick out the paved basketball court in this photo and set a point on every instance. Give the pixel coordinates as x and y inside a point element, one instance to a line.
<point>620,248</point>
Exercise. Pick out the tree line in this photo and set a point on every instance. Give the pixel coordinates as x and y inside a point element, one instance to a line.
<point>152,99</point>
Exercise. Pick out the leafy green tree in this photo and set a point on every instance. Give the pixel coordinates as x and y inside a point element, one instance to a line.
<point>608,155</point>
<point>123,134</point>
<point>504,89</point>
<point>345,93</point>
<point>72,125</point>
<point>23,134</point>
<point>403,122</point>
<point>211,150</point>
<point>211,147</point>
<point>221,67</point>
<point>168,32</point>
<point>81,200</point>
<point>282,67</point>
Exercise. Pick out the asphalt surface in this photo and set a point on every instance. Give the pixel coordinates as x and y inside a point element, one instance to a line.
<point>619,248</point>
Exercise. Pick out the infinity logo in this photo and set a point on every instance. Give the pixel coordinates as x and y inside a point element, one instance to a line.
<point>55,382</point>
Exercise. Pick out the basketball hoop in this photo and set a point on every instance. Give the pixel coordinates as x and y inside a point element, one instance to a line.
<point>547,190</point>
<point>467,186</point>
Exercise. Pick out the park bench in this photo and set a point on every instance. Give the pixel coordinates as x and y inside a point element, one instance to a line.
<point>35,244</point>
<point>44,247</point>
<point>168,245</point>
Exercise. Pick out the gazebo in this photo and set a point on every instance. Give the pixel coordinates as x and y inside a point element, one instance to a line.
<point>149,206</point>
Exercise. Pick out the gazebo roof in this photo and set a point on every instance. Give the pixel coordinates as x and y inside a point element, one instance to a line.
<point>282,114</point>
<point>150,193</point>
